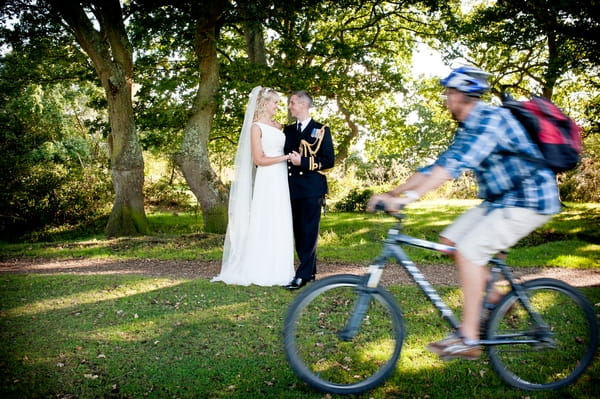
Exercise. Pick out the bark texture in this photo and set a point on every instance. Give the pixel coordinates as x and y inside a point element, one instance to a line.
<point>192,157</point>
<point>111,54</point>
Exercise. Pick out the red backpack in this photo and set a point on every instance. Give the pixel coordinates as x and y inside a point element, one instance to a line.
<point>557,136</point>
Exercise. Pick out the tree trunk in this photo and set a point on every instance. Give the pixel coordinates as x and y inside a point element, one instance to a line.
<point>253,34</point>
<point>554,66</point>
<point>343,146</point>
<point>111,54</point>
<point>127,164</point>
<point>192,157</point>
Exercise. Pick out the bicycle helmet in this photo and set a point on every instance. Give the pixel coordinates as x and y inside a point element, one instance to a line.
<point>467,79</point>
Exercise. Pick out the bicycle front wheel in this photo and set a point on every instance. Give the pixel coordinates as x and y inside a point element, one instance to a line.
<point>330,360</point>
<point>550,356</point>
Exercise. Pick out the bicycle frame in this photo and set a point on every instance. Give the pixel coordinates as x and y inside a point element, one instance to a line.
<point>522,347</point>
<point>393,249</point>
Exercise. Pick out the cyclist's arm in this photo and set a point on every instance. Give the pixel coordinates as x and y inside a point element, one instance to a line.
<point>422,183</point>
<point>411,184</point>
<point>415,187</point>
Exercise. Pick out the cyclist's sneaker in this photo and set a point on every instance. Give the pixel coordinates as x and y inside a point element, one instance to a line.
<point>453,347</point>
<point>437,347</point>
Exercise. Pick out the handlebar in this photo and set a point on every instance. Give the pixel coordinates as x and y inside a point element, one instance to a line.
<point>380,206</point>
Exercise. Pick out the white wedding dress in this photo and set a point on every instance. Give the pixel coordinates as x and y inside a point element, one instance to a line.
<point>266,257</point>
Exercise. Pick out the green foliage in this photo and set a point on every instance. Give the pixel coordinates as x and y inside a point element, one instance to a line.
<point>54,166</point>
<point>355,59</point>
<point>49,181</point>
<point>165,194</point>
<point>356,174</point>
<point>414,126</point>
<point>347,190</point>
<point>463,188</point>
<point>54,173</point>
<point>582,184</point>
<point>51,195</point>
<point>354,201</point>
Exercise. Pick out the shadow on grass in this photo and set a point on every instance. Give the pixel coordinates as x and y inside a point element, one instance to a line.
<point>128,337</point>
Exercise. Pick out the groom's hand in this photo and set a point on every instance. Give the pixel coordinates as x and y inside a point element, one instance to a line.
<point>295,158</point>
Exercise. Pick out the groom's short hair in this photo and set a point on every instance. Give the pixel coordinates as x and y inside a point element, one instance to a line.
<point>303,94</point>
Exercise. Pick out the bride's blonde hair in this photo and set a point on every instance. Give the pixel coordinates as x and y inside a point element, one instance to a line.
<point>265,95</point>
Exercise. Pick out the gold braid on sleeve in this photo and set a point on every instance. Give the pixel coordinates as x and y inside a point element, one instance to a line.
<point>310,150</point>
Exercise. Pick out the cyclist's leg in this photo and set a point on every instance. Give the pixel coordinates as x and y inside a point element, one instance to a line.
<point>479,234</point>
<point>494,295</point>
<point>492,232</point>
<point>472,277</point>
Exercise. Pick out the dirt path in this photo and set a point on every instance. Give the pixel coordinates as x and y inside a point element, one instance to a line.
<point>436,274</point>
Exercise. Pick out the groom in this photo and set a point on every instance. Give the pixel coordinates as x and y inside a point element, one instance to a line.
<point>310,146</point>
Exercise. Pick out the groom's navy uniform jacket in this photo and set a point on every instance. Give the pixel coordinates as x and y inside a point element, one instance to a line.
<point>308,186</point>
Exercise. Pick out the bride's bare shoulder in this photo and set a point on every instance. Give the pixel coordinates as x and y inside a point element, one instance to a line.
<point>271,123</point>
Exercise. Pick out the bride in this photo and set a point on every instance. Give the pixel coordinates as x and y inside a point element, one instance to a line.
<point>258,246</point>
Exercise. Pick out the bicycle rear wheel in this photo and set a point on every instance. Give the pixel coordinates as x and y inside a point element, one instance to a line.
<point>560,353</point>
<point>316,349</point>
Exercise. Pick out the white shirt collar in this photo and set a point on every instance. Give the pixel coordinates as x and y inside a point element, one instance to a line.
<point>305,122</point>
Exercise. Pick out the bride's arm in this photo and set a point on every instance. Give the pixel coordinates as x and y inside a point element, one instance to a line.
<point>258,156</point>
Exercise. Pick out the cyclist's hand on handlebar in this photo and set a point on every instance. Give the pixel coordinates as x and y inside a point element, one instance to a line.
<point>374,201</point>
<point>387,202</point>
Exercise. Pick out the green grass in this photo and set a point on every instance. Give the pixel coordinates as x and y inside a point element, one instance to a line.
<point>130,337</point>
<point>571,239</point>
<point>122,336</point>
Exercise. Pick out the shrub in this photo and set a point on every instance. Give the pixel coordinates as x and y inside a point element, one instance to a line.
<point>465,187</point>
<point>355,201</point>
<point>49,195</point>
<point>582,184</point>
<point>163,193</point>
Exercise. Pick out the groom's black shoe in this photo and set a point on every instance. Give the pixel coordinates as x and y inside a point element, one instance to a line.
<point>296,283</point>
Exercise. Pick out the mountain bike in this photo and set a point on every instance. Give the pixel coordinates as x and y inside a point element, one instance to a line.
<point>343,334</point>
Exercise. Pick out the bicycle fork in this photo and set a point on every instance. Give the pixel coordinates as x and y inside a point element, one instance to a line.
<point>360,308</point>
<point>365,291</point>
<point>371,282</point>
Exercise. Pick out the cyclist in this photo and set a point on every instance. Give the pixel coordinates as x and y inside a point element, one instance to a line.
<point>519,195</point>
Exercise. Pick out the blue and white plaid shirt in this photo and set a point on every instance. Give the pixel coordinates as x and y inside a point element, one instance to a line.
<point>492,144</point>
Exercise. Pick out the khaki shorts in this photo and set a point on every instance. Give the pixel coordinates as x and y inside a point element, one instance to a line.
<point>479,236</point>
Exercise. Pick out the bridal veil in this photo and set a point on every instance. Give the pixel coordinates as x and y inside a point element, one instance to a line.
<point>240,194</point>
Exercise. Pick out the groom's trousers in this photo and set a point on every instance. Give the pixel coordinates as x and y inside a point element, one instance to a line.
<point>306,214</point>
